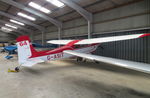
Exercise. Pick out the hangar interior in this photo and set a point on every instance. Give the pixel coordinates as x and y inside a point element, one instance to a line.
<point>42,21</point>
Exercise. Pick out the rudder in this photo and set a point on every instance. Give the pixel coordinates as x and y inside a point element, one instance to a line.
<point>25,49</point>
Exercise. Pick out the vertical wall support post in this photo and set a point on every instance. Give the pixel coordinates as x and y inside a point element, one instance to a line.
<point>59,33</point>
<point>31,36</point>
<point>43,38</point>
<point>90,29</point>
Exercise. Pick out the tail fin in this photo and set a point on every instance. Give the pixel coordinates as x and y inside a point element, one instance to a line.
<point>25,49</point>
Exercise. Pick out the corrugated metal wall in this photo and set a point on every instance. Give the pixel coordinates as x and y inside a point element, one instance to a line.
<point>135,50</point>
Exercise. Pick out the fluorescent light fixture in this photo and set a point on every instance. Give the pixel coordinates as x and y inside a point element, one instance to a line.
<point>6,29</point>
<point>38,7</point>
<point>45,10</point>
<point>26,16</point>
<point>11,26</point>
<point>17,22</point>
<point>56,3</point>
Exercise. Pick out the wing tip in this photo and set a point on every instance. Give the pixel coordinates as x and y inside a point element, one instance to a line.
<point>144,35</point>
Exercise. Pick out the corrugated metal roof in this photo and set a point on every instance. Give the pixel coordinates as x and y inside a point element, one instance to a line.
<point>62,14</point>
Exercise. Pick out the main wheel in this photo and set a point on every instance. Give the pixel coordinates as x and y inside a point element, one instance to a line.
<point>96,62</point>
<point>80,59</point>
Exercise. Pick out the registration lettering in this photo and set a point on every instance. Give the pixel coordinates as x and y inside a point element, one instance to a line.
<point>55,56</point>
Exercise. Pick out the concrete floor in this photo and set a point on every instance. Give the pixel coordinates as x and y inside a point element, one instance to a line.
<point>70,79</point>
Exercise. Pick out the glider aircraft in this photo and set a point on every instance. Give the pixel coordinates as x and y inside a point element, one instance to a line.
<point>28,56</point>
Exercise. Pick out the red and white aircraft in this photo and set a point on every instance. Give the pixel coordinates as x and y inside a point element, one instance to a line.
<point>28,56</point>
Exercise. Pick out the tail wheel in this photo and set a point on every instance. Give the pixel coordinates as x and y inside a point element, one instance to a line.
<point>17,69</point>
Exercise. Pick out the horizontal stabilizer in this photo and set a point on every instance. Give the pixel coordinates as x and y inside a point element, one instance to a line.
<point>118,62</point>
<point>31,62</point>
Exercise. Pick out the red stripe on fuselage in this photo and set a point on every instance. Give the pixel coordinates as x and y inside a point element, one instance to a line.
<point>49,52</point>
<point>69,46</point>
<point>57,50</point>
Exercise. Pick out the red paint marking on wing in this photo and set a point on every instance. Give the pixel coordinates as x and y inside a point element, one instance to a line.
<point>73,42</point>
<point>148,34</point>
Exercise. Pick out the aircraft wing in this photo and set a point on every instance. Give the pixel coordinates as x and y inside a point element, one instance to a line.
<point>118,62</point>
<point>60,42</point>
<point>31,62</point>
<point>100,40</point>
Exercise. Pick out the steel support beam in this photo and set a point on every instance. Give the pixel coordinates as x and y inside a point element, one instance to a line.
<point>14,33</point>
<point>37,13</point>
<point>21,20</point>
<point>18,31</point>
<point>87,15</point>
<point>10,33</point>
<point>32,11</point>
<point>5,22</point>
